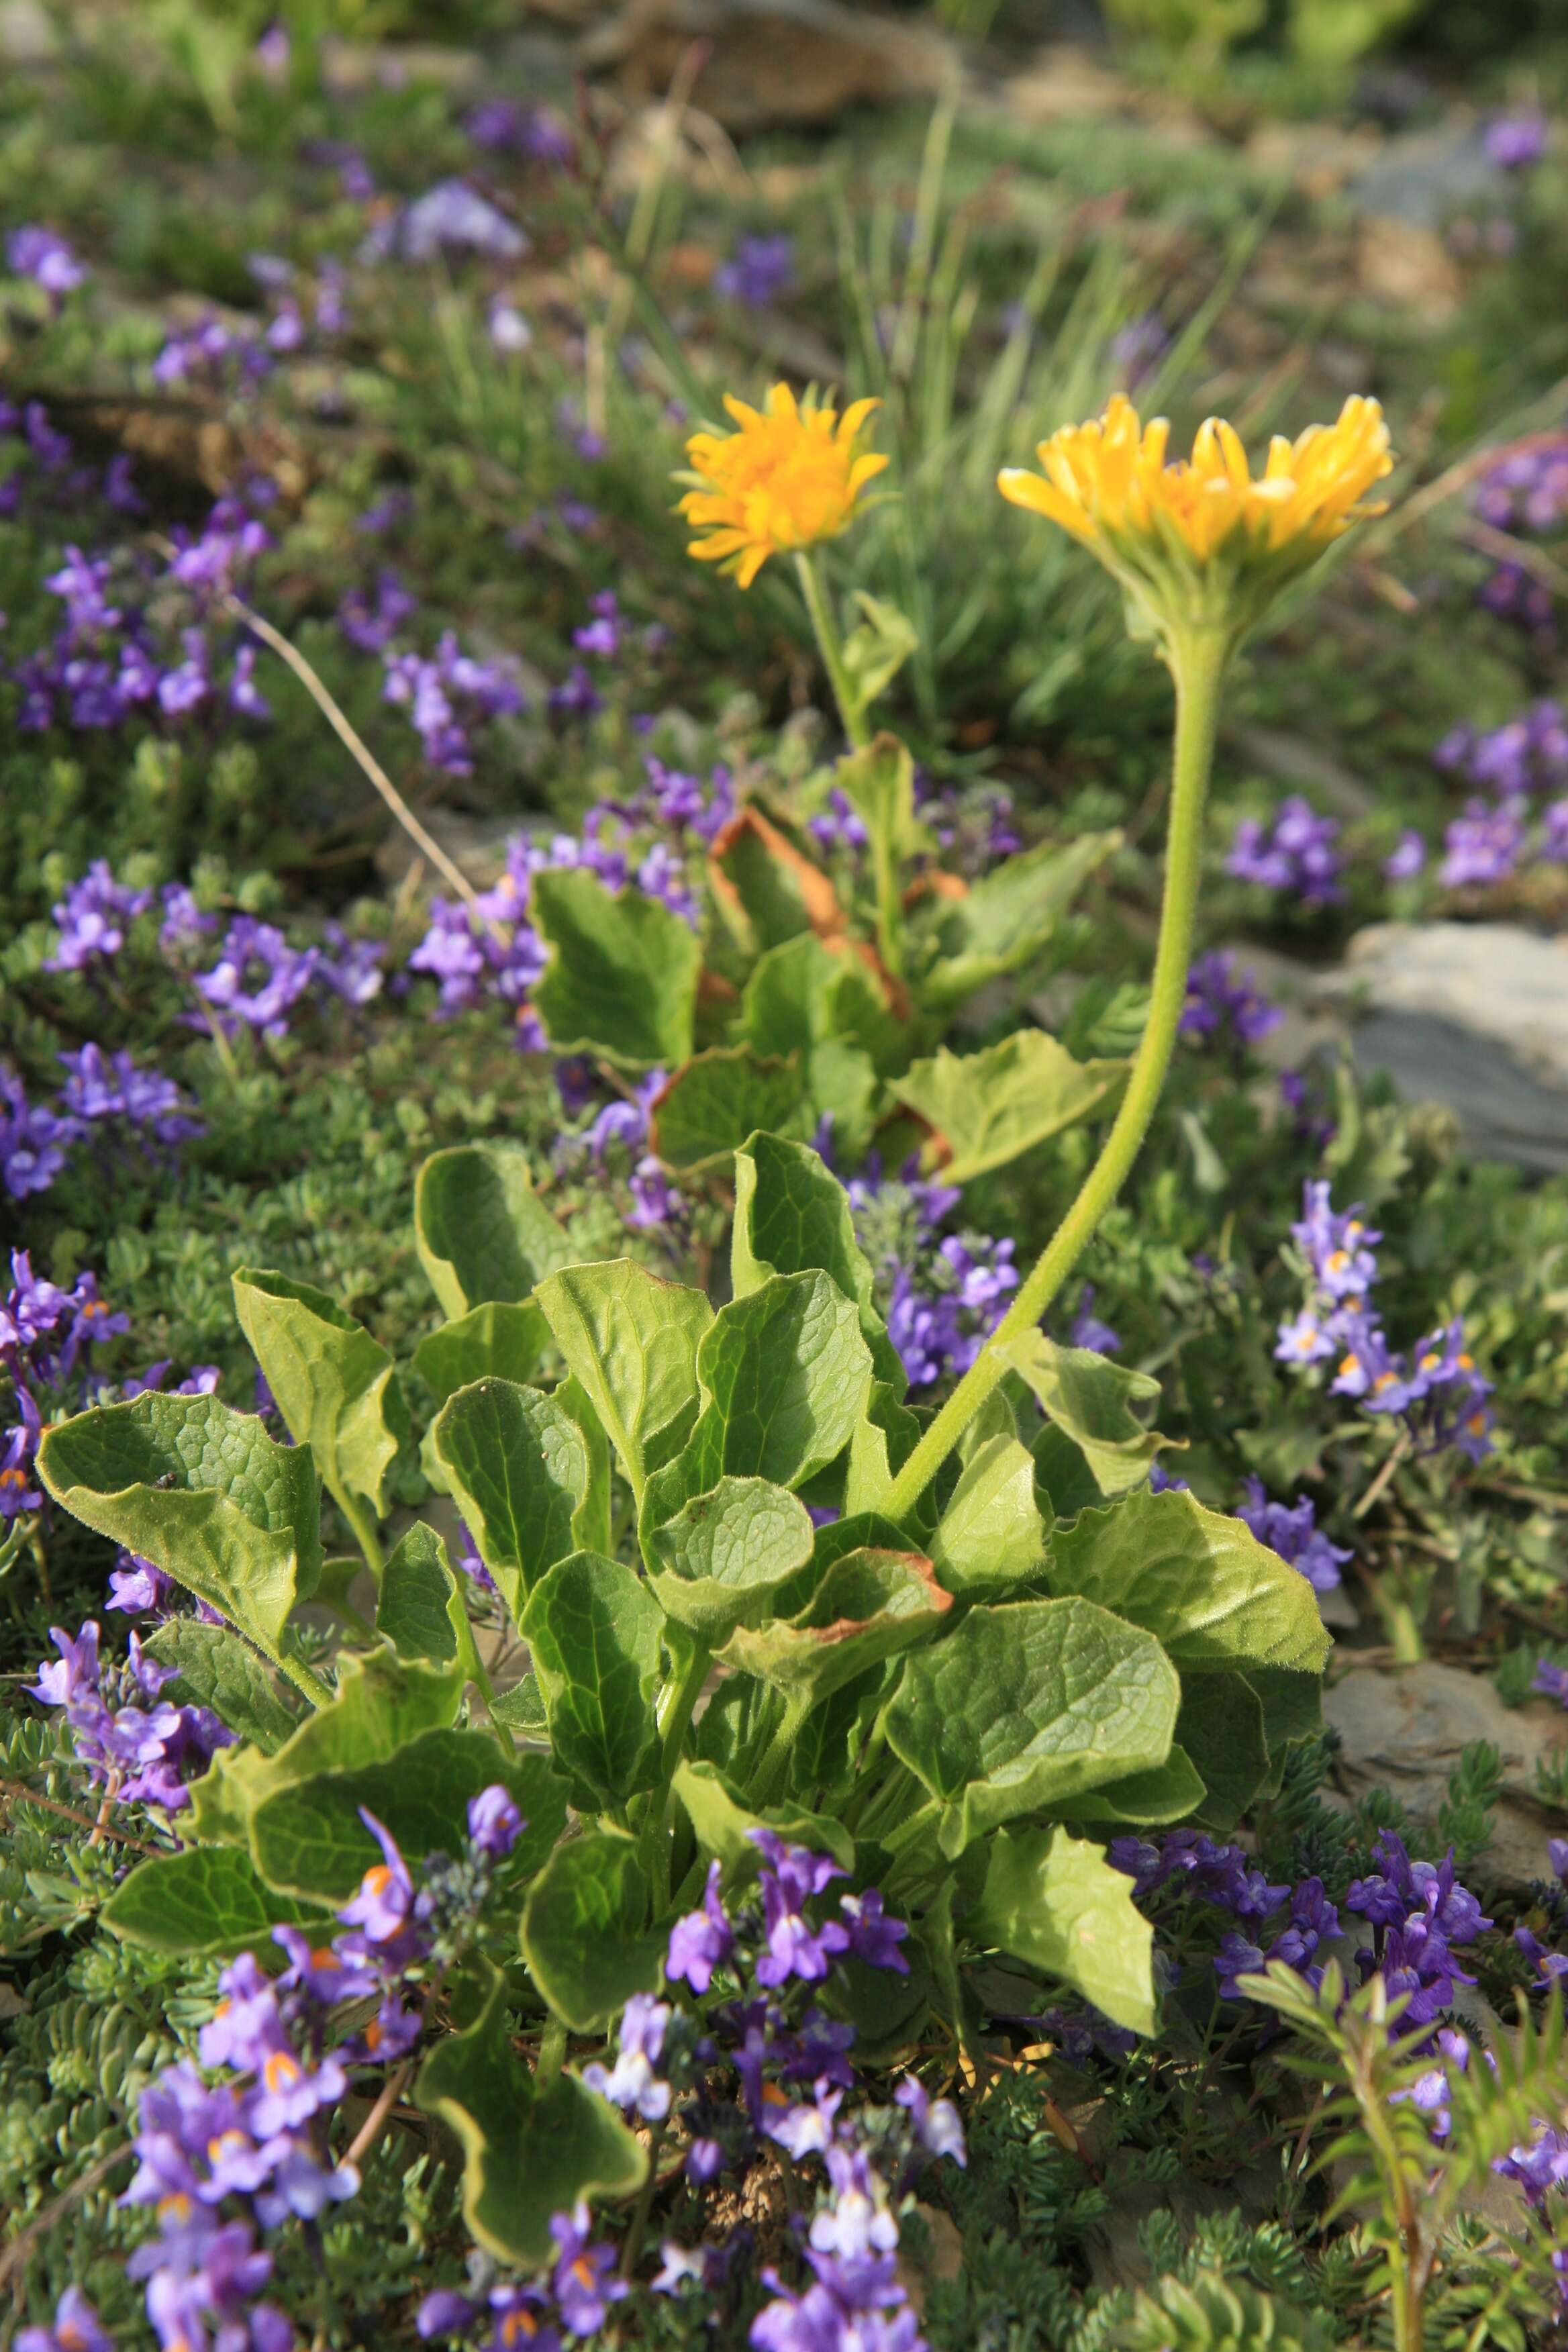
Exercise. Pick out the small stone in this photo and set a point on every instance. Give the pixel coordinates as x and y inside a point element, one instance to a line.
<point>1403,1732</point>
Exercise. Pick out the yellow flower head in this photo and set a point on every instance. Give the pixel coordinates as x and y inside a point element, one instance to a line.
<point>1186,534</point>
<point>789,476</point>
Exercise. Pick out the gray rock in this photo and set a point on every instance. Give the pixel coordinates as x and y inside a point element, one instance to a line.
<point>767,62</point>
<point>1402,1731</point>
<point>1421,177</point>
<point>1474,1015</point>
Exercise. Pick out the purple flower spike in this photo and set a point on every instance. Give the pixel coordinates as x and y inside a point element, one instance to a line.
<point>790,1878</point>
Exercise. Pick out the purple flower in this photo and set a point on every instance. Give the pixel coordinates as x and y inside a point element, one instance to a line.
<point>1540,2166</point>
<point>452,218</point>
<point>372,626</point>
<point>584,2281</point>
<point>790,1876</point>
<point>1290,1530</point>
<point>1402,1893</point>
<point>321,1970</point>
<point>1298,852</point>
<point>76,2329</point>
<point>1338,1249</point>
<point>258,978</point>
<point>758,272</point>
<point>351,968</point>
<point>633,2082</point>
<point>33,1140</point>
<point>1551,1680</point>
<point>873,1936</point>
<point>19,1492</point>
<point>495,1823</point>
<point>99,1087</point>
<point>1407,860</point>
<point>92,919</point>
<point>445,2313</point>
<point>1484,846</point>
<point>1516,142</point>
<point>938,2127</point>
<point>702,1941</point>
<point>382,1908</point>
<point>1218,997</point>
<point>45,257</point>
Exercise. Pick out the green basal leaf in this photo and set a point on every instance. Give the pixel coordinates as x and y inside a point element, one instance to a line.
<point>333,1384</point>
<point>722,1822</point>
<point>1007,918</point>
<point>419,1608</point>
<point>522,1709</point>
<point>206,1899</point>
<point>585,1930</point>
<point>986,1108</point>
<point>881,1442</point>
<point>1026,1707</point>
<point>1055,1902</point>
<point>527,2153</point>
<point>1222,1728</point>
<point>712,1104</point>
<point>765,889</point>
<point>723,1560</point>
<point>501,1340</point>
<point>216,1669</point>
<point>202,1492</point>
<point>810,993</point>
<point>623,970</point>
<point>484,1236</point>
<point>1089,1400</point>
<point>631,1340</point>
<point>879,781</point>
<point>1173,1792</point>
<point>793,1216</point>
<point>990,1536</point>
<point>868,1604</point>
<point>594,1632</point>
<point>593,1523</point>
<point>1199,1581</point>
<point>875,651</point>
<point>309,1839</point>
<point>1292,1704</point>
<point>784,1374</point>
<point>518,1467</point>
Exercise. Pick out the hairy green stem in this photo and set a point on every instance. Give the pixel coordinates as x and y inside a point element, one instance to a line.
<point>851,709</point>
<point>551,2054</point>
<point>318,1692</point>
<point>1197,659</point>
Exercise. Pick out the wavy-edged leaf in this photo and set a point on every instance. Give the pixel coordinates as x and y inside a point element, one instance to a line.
<point>207,1899</point>
<point>308,1839</point>
<point>869,1605</point>
<point>784,1373</point>
<point>335,1386</point>
<point>713,1102</point>
<point>767,890</point>
<point>1198,1580</point>
<point>527,2153</point>
<point>216,1669</point>
<point>725,1558</point>
<point>986,1108</point>
<point>990,1536</point>
<point>1173,1792</point>
<point>1007,918</point>
<point>1055,1902</point>
<point>791,1215</point>
<point>630,1340</point>
<point>1222,1728</point>
<point>502,1341</point>
<point>419,1607</point>
<point>1089,1400</point>
<point>1026,1705</point>
<point>484,1236</point>
<point>585,1934</point>
<point>518,1467</point>
<point>722,1823</point>
<point>623,970</point>
<point>594,1631</point>
<point>202,1492</point>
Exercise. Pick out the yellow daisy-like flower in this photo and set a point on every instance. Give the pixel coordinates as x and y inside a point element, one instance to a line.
<point>791,475</point>
<point>1187,533</point>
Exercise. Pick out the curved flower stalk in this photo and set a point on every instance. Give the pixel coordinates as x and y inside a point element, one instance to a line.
<point>792,475</point>
<point>1203,550</point>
